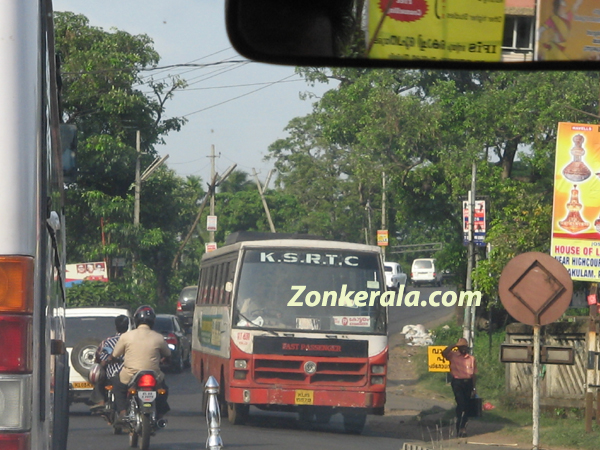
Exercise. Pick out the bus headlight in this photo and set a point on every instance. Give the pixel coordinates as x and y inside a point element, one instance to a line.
<point>378,369</point>
<point>240,364</point>
<point>239,374</point>
<point>376,380</point>
<point>15,401</point>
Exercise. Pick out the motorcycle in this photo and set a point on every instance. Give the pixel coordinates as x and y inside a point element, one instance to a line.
<point>140,419</point>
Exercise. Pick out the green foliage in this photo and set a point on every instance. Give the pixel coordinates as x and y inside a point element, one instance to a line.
<point>105,95</point>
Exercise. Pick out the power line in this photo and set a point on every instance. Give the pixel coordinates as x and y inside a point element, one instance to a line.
<point>238,85</point>
<point>187,71</point>
<point>239,96</point>
<point>149,69</point>
<point>204,57</point>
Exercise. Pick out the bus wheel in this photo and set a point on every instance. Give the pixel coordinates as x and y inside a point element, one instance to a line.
<point>354,423</point>
<point>237,413</point>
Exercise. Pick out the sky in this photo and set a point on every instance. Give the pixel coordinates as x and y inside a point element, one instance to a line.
<point>234,107</point>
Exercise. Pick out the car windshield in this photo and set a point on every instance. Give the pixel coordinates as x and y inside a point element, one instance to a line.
<point>388,269</point>
<point>188,294</point>
<point>422,264</point>
<point>80,328</point>
<point>272,281</point>
<point>163,325</point>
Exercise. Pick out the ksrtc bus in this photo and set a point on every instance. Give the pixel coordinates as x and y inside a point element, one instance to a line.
<point>34,366</point>
<point>293,325</point>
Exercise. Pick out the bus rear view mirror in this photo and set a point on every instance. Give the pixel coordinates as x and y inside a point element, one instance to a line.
<point>469,34</point>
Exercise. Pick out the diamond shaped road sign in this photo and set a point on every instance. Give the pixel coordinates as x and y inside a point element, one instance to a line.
<point>535,288</point>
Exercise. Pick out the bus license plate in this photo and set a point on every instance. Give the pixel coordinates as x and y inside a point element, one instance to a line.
<point>304,397</point>
<point>147,396</point>
<point>82,385</point>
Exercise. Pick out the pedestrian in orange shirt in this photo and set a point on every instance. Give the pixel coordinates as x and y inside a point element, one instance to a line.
<point>463,369</point>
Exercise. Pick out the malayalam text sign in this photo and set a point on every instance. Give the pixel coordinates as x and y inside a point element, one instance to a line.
<point>568,30</point>
<point>467,30</point>
<point>382,238</point>
<point>435,361</point>
<point>576,207</point>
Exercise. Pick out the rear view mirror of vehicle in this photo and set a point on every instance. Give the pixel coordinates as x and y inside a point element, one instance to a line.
<point>466,34</point>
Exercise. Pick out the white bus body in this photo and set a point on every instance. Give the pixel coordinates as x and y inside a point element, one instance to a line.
<point>33,360</point>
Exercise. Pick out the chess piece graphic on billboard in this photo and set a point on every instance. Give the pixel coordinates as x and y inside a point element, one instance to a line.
<point>574,223</point>
<point>576,170</point>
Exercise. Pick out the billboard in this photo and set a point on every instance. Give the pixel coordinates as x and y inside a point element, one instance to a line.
<point>90,271</point>
<point>479,221</point>
<point>468,30</point>
<point>576,206</point>
<point>568,30</point>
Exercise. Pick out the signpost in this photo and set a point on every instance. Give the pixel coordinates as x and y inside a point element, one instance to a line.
<point>382,238</point>
<point>435,361</point>
<point>536,290</point>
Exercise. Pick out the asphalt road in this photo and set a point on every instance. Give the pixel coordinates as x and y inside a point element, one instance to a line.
<point>187,426</point>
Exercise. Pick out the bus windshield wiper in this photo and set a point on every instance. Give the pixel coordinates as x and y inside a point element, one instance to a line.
<point>257,326</point>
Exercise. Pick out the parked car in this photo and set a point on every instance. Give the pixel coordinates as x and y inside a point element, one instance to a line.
<point>86,328</point>
<point>394,276</point>
<point>425,271</point>
<point>185,306</point>
<point>177,340</point>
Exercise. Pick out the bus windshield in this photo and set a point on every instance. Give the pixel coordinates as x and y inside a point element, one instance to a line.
<point>310,290</point>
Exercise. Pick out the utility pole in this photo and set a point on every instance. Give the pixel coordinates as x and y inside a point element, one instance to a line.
<point>383,225</point>
<point>468,325</point>
<point>215,181</point>
<point>138,180</point>
<point>264,202</point>
<point>212,157</point>
<point>368,236</point>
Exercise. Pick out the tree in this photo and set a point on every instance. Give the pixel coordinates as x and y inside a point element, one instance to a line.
<point>425,129</point>
<point>103,95</point>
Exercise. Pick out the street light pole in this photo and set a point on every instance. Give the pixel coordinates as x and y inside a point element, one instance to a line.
<point>138,182</point>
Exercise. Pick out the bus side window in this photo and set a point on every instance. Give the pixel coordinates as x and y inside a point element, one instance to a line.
<point>226,295</point>
<point>215,284</point>
<point>210,284</point>
<point>218,277</point>
<point>222,276</point>
<point>201,286</point>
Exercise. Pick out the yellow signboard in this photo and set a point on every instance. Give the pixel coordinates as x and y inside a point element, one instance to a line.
<point>576,208</point>
<point>466,30</point>
<point>435,361</point>
<point>568,30</point>
<point>382,238</point>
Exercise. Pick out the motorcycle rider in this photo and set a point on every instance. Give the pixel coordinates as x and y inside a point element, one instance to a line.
<point>113,367</point>
<point>142,349</point>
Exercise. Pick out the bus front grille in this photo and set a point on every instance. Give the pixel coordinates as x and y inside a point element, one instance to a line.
<point>291,371</point>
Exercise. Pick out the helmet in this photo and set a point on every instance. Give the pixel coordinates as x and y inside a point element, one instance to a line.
<point>96,374</point>
<point>144,314</point>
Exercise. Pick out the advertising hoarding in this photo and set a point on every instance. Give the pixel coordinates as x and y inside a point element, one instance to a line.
<point>428,29</point>
<point>576,206</point>
<point>89,271</point>
<point>568,30</point>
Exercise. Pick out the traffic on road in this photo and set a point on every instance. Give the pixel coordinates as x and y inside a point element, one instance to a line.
<point>187,428</point>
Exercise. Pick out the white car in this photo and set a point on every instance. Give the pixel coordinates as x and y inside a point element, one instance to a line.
<point>425,271</point>
<point>86,328</point>
<point>394,276</point>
